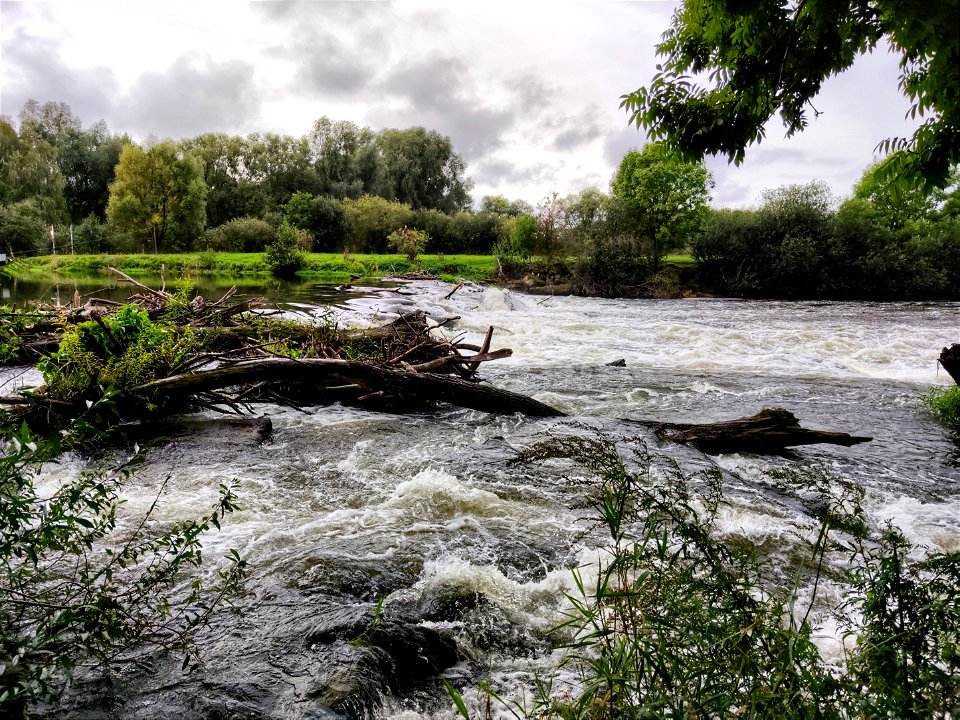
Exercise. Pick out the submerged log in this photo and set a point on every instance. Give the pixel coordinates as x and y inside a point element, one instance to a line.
<point>950,360</point>
<point>770,431</point>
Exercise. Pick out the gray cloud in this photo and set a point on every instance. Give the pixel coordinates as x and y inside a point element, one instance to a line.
<point>193,95</point>
<point>438,92</point>
<point>335,46</point>
<point>34,69</point>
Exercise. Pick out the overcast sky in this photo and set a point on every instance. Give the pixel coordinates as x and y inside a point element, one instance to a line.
<point>528,92</point>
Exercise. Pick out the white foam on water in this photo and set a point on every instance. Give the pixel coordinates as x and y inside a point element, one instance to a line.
<point>931,525</point>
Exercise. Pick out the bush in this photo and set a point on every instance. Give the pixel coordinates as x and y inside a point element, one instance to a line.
<point>322,216</point>
<point>613,266</point>
<point>73,589</point>
<point>284,255</point>
<point>409,242</point>
<point>241,235</point>
<point>682,622</point>
<point>944,403</point>
<point>121,352</point>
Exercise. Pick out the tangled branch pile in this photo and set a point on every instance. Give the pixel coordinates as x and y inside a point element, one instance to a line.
<point>161,353</point>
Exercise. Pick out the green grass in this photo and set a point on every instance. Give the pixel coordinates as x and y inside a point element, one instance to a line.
<point>680,259</point>
<point>331,266</point>
<point>944,403</point>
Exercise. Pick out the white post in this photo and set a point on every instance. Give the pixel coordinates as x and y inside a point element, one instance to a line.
<point>53,239</point>
<point>71,240</point>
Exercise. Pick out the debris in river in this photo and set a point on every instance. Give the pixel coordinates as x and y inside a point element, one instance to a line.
<point>224,356</point>
<point>769,431</point>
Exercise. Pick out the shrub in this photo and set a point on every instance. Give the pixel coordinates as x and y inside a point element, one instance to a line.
<point>121,351</point>
<point>72,590</point>
<point>284,255</point>
<point>241,235</point>
<point>682,622</point>
<point>408,241</point>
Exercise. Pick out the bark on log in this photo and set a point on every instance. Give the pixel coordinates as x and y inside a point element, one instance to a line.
<point>770,431</point>
<point>950,360</point>
<point>311,374</point>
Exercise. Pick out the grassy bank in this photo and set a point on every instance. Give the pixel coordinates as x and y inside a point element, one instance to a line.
<point>319,265</point>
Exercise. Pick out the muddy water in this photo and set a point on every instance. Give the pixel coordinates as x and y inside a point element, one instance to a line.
<point>343,507</point>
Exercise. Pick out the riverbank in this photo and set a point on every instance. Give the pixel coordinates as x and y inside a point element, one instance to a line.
<point>335,267</point>
<point>533,275</point>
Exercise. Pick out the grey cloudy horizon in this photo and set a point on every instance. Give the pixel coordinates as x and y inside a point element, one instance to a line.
<point>528,92</point>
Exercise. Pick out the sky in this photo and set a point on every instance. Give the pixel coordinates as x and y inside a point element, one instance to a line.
<point>528,92</point>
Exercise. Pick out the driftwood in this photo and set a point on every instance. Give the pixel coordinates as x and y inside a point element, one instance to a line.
<point>770,431</point>
<point>950,360</point>
<point>317,380</point>
<point>246,357</point>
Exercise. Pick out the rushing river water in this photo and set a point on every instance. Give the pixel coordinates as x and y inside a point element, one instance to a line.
<point>342,507</point>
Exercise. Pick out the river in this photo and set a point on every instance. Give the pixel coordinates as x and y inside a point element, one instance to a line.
<point>342,507</point>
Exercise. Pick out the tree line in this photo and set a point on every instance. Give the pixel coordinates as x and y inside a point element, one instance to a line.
<point>163,195</point>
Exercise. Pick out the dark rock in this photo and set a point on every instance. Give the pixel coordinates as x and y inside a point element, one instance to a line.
<point>617,363</point>
<point>416,652</point>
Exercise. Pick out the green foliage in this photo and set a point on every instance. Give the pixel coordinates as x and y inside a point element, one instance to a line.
<point>121,352</point>
<point>371,219</point>
<point>422,170</point>
<point>665,197</point>
<point>682,622</point>
<point>522,235</point>
<point>322,216</point>
<point>284,255</point>
<point>764,57</point>
<point>159,196</point>
<point>907,620</point>
<point>944,403</point>
<point>797,246</point>
<point>241,235</point>
<point>78,585</point>
<point>24,228</point>
<point>408,242</point>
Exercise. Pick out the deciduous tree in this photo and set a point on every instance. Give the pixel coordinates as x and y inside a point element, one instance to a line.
<point>159,195</point>
<point>729,66</point>
<point>664,195</point>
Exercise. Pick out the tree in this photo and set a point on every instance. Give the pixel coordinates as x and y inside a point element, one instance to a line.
<point>665,195</point>
<point>86,158</point>
<point>499,205</point>
<point>768,55</point>
<point>31,189</point>
<point>371,219</point>
<point>423,171</point>
<point>159,195</point>
<point>897,206</point>
<point>346,159</point>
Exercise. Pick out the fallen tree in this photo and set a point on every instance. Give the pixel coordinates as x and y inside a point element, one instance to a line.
<point>162,353</point>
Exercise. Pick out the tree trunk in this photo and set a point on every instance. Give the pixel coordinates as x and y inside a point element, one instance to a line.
<point>770,431</point>
<point>950,360</point>
<point>319,379</point>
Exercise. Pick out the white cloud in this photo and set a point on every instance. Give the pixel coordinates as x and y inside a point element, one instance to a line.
<point>527,91</point>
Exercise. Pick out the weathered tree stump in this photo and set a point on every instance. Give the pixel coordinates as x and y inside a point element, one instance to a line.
<point>950,360</point>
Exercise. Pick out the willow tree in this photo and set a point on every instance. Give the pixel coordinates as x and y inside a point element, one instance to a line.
<point>730,66</point>
<point>159,195</point>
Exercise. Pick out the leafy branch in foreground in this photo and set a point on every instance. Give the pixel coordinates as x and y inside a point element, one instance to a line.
<point>728,67</point>
<point>678,621</point>
<point>79,585</point>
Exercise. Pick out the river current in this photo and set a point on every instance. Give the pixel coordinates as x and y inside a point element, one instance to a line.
<point>342,508</point>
